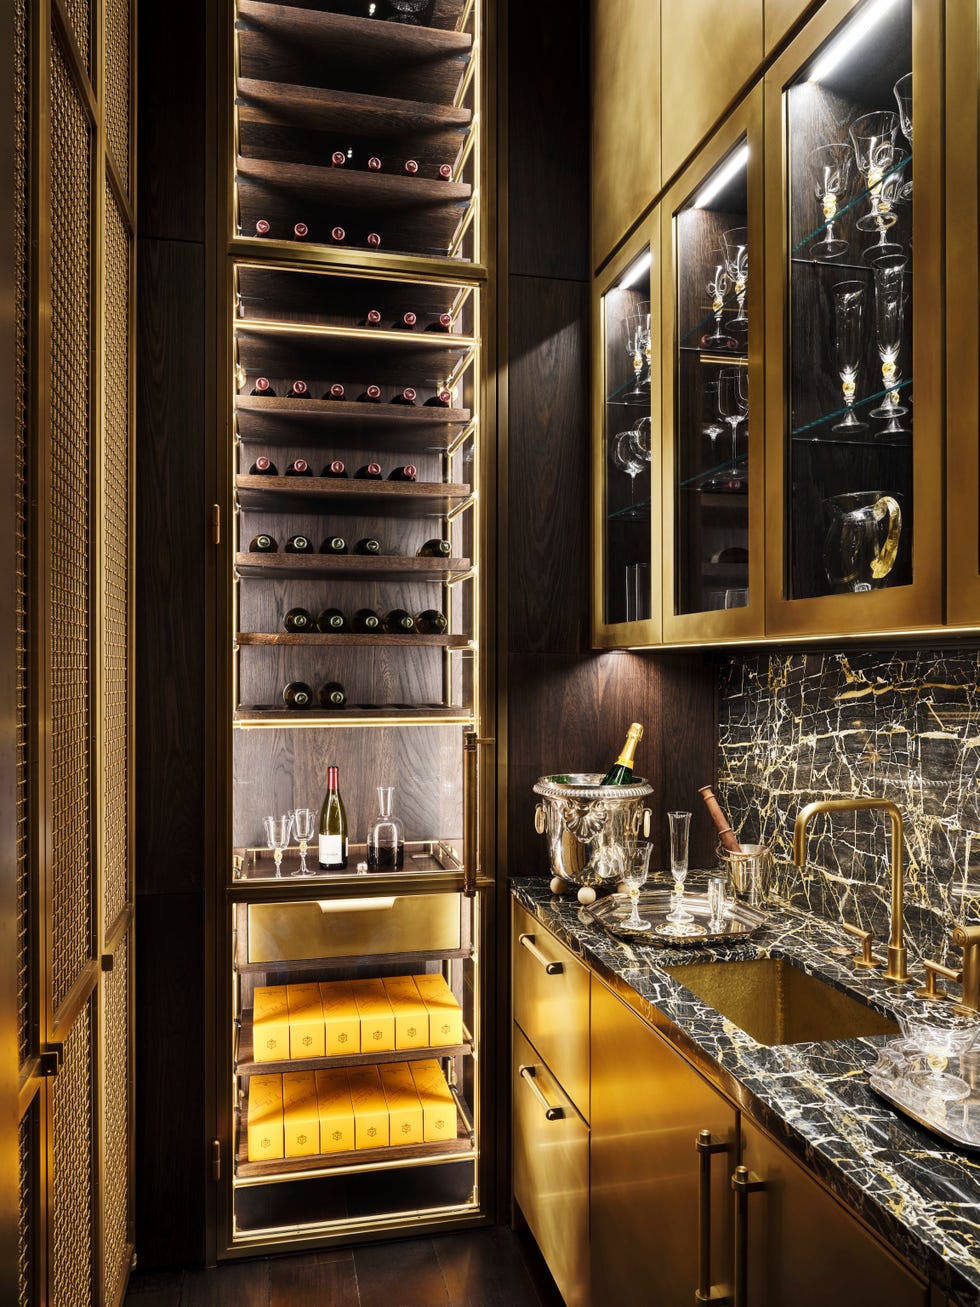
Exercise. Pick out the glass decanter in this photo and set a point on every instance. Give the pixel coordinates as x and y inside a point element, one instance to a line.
<point>385,836</point>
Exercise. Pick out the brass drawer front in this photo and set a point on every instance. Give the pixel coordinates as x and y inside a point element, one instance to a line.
<point>340,928</point>
<point>551,1005</point>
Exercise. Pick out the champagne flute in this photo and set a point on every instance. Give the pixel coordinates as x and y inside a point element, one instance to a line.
<point>849,343</point>
<point>679,921</point>
<point>634,867</point>
<point>733,408</point>
<point>735,242</point>
<point>304,826</point>
<point>277,833</point>
<point>889,279</point>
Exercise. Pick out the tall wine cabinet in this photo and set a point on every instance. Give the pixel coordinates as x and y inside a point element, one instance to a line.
<point>355,457</point>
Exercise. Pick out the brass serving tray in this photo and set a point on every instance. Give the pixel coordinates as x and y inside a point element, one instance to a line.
<point>737,920</point>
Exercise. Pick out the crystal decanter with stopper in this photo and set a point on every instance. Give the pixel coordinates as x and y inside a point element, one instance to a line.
<point>385,836</point>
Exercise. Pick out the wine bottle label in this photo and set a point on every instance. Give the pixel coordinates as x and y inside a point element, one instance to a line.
<point>331,850</point>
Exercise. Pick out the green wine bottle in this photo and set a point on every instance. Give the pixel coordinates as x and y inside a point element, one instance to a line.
<point>333,827</point>
<point>621,772</point>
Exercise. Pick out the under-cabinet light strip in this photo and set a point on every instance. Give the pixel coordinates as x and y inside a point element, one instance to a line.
<point>853,33</point>
<point>635,271</point>
<point>721,178</point>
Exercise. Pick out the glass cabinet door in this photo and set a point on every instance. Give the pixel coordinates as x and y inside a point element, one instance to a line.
<point>712,403</point>
<point>626,606</point>
<point>855,371</point>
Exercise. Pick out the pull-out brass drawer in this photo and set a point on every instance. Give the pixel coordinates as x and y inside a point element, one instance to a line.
<point>340,928</point>
<point>551,1004</point>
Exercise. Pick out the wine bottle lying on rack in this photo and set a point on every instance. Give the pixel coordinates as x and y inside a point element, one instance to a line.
<point>335,468</point>
<point>297,694</point>
<point>336,391</point>
<point>263,544</point>
<point>370,396</point>
<point>374,164</point>
<point>368,472</point>
<point>373,240</point>
<point>445,172</point>
<point>434,549</point>
<point>263,467</point>
<point>398,622</point>
<point>300,231</point>
<point>331,622</point>
<point>334,545</point>
<point>373,318</point>
<point>298,390</point>
<point>411,167</point>
<point>298,621</point>
<point>407,472</point>
<point>332,695</point>
<point>406,396</point>
<point>338,235</point>
<point>442,323</point>
<point>368,545</point>
<point>299,544</point>
<point>442,399</point>
<point>431,622</point>
<point>262,387</point>
<point>299,468</point>
<point>338,159</point>
<point>406,322</point>
<point>365,622</point>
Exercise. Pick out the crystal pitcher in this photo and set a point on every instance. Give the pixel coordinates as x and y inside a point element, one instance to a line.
<point>862,538</point>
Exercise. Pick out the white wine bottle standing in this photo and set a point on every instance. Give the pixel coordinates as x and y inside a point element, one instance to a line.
<point>333,826</point>
<point>621,772</point>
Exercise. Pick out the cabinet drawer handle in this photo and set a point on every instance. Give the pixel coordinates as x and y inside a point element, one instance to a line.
<point>706,1150</point>
<point>550,1113</point>
<point>552,968</point>
<point>743,1183</point>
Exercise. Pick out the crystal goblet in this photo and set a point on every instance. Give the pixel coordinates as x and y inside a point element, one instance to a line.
<point>636,329</point>
<point>939,1033</point>
<point>277,833</point>
<point>735,242</point>
<point>634,869</point>
<point>304,826</point>
<point>718,287</point>
<point>830,171</point>
<point>873,137</point>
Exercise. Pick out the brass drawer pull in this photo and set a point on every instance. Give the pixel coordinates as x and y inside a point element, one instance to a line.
<point>706,1150</point>
<point>743,1183</point>
<point>550,1113</point>
<point>552,968</point>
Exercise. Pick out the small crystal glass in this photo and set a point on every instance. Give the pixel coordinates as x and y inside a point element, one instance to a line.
<point>679,921</point>
<point>939,1033</point>
<point>386,836</point>
<point>718,286</point>
<point>735,242</point>
<point>635,866</point>
<point>636,329</point>
<point>277,833</point>
<point>717,899</point>
<point>304,826</point>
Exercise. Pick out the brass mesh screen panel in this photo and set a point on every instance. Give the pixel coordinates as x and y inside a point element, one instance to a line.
<point>80,17</point>
<point>115,583</point>
<point>27,1150</point>
<point>23,497</point>
<point>73,1149</point>
<point>70,535</point>
<point>117,56</point>
<point>116,1120</point>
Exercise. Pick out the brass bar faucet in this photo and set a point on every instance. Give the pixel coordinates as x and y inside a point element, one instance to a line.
<point>896,970</point>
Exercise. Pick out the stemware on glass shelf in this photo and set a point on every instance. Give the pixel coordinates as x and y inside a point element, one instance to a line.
<point>636,327</point>
<point>634,868</point>
<point>903,98</point>
<point>849,344</point>
<point>304,828</point>
<point>679,921</point>
<point>733,408</point>
<point>277,833</point>
<point>938,1033</point>
<point>861,543</point>
<point>735,243</point>
<point>718,287</point>
<point>889,284</point>
<point>830,171</point>
<point>873,137</point>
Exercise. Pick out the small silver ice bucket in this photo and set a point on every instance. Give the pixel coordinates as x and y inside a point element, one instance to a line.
<point>588,825</point>
<point>748,872</point>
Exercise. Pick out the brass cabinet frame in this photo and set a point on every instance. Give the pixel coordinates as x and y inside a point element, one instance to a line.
<point>616,635</point>
<point>918,606</point>
<point>730,624</point>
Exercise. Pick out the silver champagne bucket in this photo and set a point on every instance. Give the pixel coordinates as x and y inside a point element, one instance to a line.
<point>589,826</point>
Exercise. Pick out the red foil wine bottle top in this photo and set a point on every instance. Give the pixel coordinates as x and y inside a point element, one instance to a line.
<point>409,319</point>
<point>411,167</point>
<point>261,384</point>
<point>336,391</point>
<point>300,388</point>
<point>262,227</point>
<point>374,163</point>
<point>445,397</point>
<point>336,468</point>
<point>338,159</point>
<point>262,463</point>
<point>373,469</point>
<point>446,172</point>
<point>374,240</point>
<point>338,234</point>
<point>300,465</point>
<point>373,318</point>
<point>373,392</point>
<point>445,320</point>
<point>410,394</point>
<point>301,230</point>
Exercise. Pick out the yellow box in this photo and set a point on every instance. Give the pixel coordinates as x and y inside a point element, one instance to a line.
<point>370,1107</point>
<point>411,1014</point>
<point>300,1114</point>
<point>438,1104</point>
<point>377,1018</point>
<point>265,1133</point>
<point>336,1112</point>
<point>404,1108</point>
<point>270,1024</point>
<point>305,1021</point>
<point>445,1017</point>
<point>342,1025</point>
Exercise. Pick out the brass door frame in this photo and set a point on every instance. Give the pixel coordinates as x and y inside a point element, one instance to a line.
<point>734,624</point>
<point>618,635</point>
<point>919,605</point>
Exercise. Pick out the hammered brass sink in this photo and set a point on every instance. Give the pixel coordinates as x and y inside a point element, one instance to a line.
<point>775,1002</point>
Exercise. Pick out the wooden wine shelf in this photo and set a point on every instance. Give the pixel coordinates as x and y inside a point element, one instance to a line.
<point>275,567</point>
<point>356,714</point>
<point>291,295</point>
<point>289,494</point>
<point>398,426</point>
<point>246,1065</point>
<point>413,641</point>
<point>393,358</point>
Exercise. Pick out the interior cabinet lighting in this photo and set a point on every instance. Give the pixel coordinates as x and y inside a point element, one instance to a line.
<point>719,180</point>
<point>635,271</point>
<point>852,34</point>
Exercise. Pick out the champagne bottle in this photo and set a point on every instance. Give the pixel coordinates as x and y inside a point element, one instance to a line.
<point>434,549</point>
<point>338,159</point>
<point>262,227</point>
<point>263,544</point>
<point>300,231</point>
<point>445,172</point>
<point>407,472</point>
<point>406,396</point>
<point>335,468</point>
<point>298,621</point>
<point>411,167</point>
<point>369,472</point>
<point>442,323</point>
<point>370,396</point>
<point>299,468</point>
<point>263,467</point>
<point>333,826</point>
<point>406,322</point>
<point>298,390</point>
<point>621,772</point>
<point>297,694</point>
<point>431,622</point>
<point>368,545</point>
<point>365,622</point>
<point>725,832</point>
<point>373,318</point>
<point>331,621</point>
<point>374,164</point>
<point>398,622</point>
<point>373,240</point>
<point>442,399</point>
<point>334,545</point>
<point>262,387</point>
<point>332,695</point>
<point>299,544</point>
<point>338,235</point>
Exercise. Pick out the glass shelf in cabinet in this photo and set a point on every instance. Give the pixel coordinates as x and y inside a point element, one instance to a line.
<point>730,302</point>
<point>718,358</point>
<point>862,196</point>
<point>624,396</point>
<point>892,440</point>
<point>631,513</point>
<point>711,482</point>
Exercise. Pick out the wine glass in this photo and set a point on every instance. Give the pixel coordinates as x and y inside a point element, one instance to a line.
<point>628,454</point>
<point>735,242</point>
<point>903,98</point>
<point>889,280</point>
<point>634,867</point>
<point>636,328</point>
<point>733,408</point>
<point>939,1033</point>
<point>873,138</point>
<point>304,826</point>
<point>830,170</point>
<point>849,344</point>
<point>679,921</point>
<point>277,833</point>
<point>718,287</point>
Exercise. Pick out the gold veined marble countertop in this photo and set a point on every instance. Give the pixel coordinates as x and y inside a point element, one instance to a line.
<point>921,1195</point>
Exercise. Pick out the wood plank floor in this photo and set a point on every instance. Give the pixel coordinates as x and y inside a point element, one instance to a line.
<point>482,1268</point>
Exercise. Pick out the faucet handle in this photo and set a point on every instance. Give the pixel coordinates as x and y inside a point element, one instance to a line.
<point>865,960</point>
<point>933,970</point>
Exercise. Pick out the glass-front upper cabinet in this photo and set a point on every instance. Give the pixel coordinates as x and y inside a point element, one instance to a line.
<point>853,349</point>
<point>962,315</point>
<point>713,529</point>
<point>626,446</point>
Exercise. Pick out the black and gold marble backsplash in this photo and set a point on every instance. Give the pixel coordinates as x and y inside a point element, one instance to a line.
<point>903,726</point>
